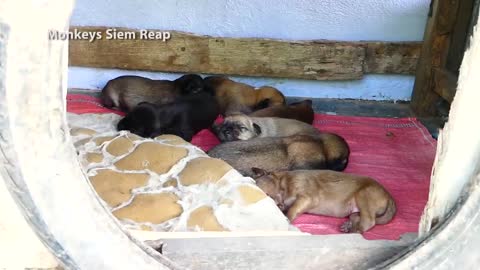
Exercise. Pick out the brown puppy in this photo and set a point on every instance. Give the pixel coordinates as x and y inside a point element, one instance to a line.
<point>325,151</point>
<point>329,193</point>
<point>242,127</point>
<point>234,97</point>
<point>301,111</point>
<point>125,92</point>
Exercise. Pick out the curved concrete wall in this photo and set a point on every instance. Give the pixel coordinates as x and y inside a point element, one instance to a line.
<point>348,20</point>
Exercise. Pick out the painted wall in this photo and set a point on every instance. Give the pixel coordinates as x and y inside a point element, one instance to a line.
<point>348,20</point>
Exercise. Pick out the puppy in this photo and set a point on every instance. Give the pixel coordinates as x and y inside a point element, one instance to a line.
<point>184,117</point>
<point>301,111</point>
<point>324,151</point>
<point>243,127</point>
<point>125,92</point>
<point>329,193</point>
<point>234,97</point>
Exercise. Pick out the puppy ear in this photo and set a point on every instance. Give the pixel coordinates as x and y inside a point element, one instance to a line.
<point>121,125</point>
<point>279,200</point>
<point>308,102</point>
<point>282,186</point>
<point>147,104</point>
<point>258,172</point>
<point>257,129</point>
<point>215,128</point>
<point>265,103</point>
<point>143,103</point>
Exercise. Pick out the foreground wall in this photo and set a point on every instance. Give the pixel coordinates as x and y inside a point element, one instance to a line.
<point>345,20</point>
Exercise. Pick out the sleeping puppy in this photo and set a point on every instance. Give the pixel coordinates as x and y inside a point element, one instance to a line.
<point>184,117</point>
<point>301,111</point>
<point>243,127</point>
<point>125,92</point>
<point>324,151</point>
<point>329,193</point>
<point>234,97</point>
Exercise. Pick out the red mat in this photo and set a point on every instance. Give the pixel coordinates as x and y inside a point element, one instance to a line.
<point>398,153</point>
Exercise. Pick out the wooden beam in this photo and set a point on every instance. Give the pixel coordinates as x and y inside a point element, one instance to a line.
<point>248,57</point>
<point>434,55</point>
<point>183,52</point>
<point>445,84</point>
<point>456,165</point>
<point>461,32</point>
<point>473,21</point>
<point>392,57</point>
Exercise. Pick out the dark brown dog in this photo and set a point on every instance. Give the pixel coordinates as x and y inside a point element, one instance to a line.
<point>301,111</point>
<point>325,151</point>
<point>234,97</point>
<point>126,92</point>
<point>329,193</point>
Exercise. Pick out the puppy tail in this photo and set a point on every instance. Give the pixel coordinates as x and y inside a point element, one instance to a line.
<point>307,102</point>
<point>389,213</point>
<point>337,164</point>
<point>309,165</point>
<point>338,152</point>
<point>263,104</point>
<point>106,98</point>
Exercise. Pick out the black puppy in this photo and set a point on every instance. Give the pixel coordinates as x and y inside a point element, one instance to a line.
<point>125,92</point>
<point>184,117</point>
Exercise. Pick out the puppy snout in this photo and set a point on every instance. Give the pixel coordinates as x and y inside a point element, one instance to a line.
<point>227,133</point>
<point>224,135</point>
<point>230,135</point>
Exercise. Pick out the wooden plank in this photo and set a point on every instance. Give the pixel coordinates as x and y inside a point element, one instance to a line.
<point>473,21</point>
<point>184,52</point>
<point>460,34</point>
<point>434,55</point>
<point>393,58</point>
<point>447,15</point>
<point>445,84</point>
<point>317,60</point>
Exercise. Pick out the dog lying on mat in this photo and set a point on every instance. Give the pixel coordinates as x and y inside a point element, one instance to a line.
<point>243,127</point>
<point>329,193</point>
<point>184,117</point>
<point>234,97</point>
<point>126,92</point>
<point>301,111</point>
<point>324,151</point>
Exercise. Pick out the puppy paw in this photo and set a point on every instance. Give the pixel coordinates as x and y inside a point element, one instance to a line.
<point>346,227</point>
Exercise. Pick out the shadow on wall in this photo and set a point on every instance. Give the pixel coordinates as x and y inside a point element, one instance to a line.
<point>371,87</point>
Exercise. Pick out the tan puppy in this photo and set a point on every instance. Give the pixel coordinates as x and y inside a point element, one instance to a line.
<point>330,193</point>
<point>234,97</point>
<point>325,151</point>
<point>126,92</point>
<point>301,111</point>
<point>243,127</point>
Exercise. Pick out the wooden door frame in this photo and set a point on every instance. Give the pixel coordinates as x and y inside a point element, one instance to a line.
<point>447,31</point>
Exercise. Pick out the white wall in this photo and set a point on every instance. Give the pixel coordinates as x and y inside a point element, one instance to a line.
<point>349,20</point>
